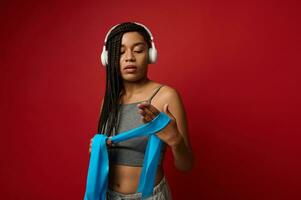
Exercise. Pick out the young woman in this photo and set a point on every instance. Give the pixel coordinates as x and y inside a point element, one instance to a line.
<point>132,99</point>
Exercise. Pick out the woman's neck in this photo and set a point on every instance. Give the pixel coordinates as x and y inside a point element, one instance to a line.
<point>132,88</point>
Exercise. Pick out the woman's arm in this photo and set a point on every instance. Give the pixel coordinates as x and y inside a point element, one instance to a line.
<point>176,133</point>
<point>181,149</point>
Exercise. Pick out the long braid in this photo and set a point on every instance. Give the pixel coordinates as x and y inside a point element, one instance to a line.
<point>108,121</point>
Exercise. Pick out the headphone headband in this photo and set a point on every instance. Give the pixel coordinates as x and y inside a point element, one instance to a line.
<point>148,31</point>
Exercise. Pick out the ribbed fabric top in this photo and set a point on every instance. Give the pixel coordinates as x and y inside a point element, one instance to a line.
<point>131,152</point>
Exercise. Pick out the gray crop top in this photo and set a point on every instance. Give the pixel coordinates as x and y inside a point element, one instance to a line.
<point>131,152</point>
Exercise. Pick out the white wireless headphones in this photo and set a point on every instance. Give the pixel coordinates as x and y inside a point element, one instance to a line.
<point>152,51</point>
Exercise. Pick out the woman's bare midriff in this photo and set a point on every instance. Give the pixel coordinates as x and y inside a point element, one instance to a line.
<point>125,179</point>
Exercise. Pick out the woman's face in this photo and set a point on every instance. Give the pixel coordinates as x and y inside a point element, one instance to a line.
<point>133,57</point>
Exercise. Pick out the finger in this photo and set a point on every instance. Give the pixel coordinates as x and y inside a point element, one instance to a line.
<point>148,109</point>
<point>146,114</point>
<point>153,109</point>
<point>149,106</point>
<point>145,111</point>
<point>109,142</point>
<point>146,119</point>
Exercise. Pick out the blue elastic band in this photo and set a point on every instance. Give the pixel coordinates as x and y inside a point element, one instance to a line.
<point>97,178</point>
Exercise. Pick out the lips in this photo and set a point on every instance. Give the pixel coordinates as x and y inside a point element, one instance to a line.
<point>130,67</point>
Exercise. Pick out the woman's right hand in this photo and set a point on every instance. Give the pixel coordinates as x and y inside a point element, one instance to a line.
<point>109,143</point>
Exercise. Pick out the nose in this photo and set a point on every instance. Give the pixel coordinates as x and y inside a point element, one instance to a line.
<point>129,56</point>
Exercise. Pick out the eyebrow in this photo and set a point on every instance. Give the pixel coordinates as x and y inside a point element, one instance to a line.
<point>136,44</point>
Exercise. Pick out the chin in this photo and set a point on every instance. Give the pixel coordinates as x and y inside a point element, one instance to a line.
<point>131,77</point>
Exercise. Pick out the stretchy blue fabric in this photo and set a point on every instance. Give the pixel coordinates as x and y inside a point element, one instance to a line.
<point>97,178</point>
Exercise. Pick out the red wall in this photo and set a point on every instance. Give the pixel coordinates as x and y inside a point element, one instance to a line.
<point>235,63</point>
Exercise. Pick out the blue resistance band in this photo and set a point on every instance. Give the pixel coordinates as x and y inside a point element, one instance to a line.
<point>97,179</point>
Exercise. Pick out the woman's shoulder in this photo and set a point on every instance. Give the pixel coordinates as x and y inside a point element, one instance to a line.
<point>165,90</point>
<point>166,94</point>
<point>165,87</point>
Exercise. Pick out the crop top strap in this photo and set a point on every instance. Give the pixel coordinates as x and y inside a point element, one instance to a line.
<point>155,92</point>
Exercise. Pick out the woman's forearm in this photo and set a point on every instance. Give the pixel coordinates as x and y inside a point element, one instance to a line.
<point>183,156</point>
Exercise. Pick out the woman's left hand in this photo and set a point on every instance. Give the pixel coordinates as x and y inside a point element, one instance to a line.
<point>170,134</point>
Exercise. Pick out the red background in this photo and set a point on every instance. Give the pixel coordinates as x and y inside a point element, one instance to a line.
<point>235,63</point>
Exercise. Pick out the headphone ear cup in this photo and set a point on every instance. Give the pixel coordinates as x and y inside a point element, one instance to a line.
<point>104,57</point>
<point>152,55</point>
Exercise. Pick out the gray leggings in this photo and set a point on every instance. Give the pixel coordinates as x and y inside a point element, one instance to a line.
<point>161,192</point>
